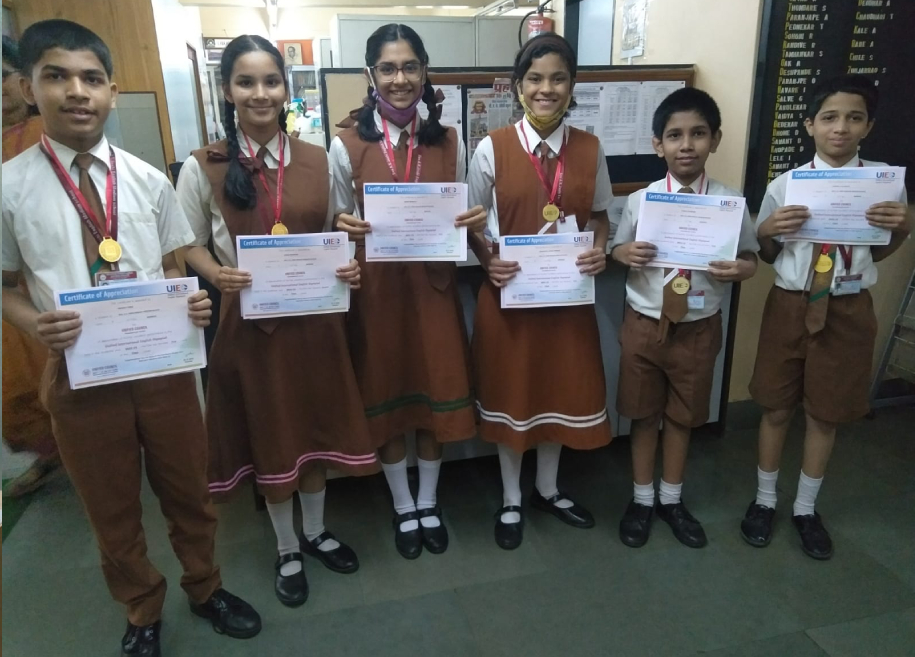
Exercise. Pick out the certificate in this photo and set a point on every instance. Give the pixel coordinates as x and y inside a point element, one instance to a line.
<point>415,222</point>
<point>838,199</point>
<point>549,275</point>
<point>293,274</point>
<point>132,331</point>
<point>690,230</point>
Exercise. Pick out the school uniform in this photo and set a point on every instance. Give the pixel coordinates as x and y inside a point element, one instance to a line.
<point>538,372</point>
<point>101,431</point>
<point>406,324</point>
<point>828,370</point>
<point>669,367</point>
<point>282,392</point>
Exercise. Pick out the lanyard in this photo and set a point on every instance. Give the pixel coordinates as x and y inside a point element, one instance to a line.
<point>687,273</point>
<point>92,223</point>
<point>389,153</point>
<point>843,249</point>
<point>555,195</point>
<point>278,207</point>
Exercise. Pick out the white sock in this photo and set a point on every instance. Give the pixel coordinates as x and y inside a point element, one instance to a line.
<point>428,485</point>
<point>669,493</point>
<point>765,487</point>
<point>547,471</point>
<point>807,489</point>
<point>643,494</point>
<point>396,474</point>
<point>286,540</point>
<point>313,519</point>
<point>510,463</point>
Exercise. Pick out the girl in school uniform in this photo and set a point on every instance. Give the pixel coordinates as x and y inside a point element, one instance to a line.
<point>406,327</point>
<point>282,402</point>
<point>539,377</point>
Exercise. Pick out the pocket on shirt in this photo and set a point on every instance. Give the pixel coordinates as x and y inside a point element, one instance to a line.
<point>138,233</point>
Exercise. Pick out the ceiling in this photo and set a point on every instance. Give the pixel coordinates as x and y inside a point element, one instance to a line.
<point>350,4</point>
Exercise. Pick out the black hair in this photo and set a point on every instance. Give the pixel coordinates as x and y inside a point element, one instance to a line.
<point>239,186</point>
<point>431,132</point>
<point>850,84</point>
<point>687,99</point>
<point>11,52</point>
<point>540,45</point>
<point>58,33</point>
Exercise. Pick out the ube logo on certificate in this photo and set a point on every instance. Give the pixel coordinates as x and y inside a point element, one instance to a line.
<point>415,222</point>
<point>549,274</point>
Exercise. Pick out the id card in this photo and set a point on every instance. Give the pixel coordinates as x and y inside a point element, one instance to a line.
<point>847,285</point>
<point>104,278</point>
<point>570,225</point>
<point>695,300</point>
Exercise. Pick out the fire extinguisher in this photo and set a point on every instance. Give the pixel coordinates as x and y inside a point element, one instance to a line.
<point>536,23</point>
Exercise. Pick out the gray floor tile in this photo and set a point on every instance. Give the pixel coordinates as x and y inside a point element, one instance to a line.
<point>787,645</point>
<point>887,635</point>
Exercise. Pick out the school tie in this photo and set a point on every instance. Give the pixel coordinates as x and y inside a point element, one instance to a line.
<point>673,306</point>
<point>89,191</point>
<point>402,142</point>
<point>818,298</point>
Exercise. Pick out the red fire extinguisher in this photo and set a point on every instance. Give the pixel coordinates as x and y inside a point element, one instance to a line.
<point>538,24</point>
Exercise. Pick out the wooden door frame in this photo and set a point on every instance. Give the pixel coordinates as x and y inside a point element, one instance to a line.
<point>192,55</point>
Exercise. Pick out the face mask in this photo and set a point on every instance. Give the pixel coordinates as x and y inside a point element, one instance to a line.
<point>395,114</point>
<point>544,122</point>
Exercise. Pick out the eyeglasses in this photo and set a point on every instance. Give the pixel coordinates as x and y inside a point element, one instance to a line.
<point>412,71</point>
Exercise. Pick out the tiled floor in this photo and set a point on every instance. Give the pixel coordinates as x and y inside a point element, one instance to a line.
<point>565,592</point>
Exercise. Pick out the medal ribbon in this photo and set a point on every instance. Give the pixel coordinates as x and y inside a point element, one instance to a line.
<point>555,195</point>
<point>389,153</point>
<point>843,249</point>
<point>278,207</point>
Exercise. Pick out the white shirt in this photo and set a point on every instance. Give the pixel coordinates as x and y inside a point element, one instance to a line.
<point>645,286</point>
<point>203,213</point>
<point>482,176</point>
<point>341,168</point>
<point>42,232</point>
<point>793,263</point>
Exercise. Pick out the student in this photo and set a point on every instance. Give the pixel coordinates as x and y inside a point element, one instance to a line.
<point>406,325</point>
<point>282,402</point>
<point>539,373</point>
<point>816,342</point>
<point>101,431</point>
<point>670,341</point>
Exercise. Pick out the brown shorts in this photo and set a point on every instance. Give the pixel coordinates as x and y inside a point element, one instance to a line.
<point>831,371</point>
<point>673,377</point>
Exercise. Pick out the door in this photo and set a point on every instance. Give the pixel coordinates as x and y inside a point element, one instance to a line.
<point>205,135</point>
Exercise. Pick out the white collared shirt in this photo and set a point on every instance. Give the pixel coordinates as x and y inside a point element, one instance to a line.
<point>482,176</point>
<point>793,263</point>
<point>341,168</point>
<point>645,286</point>
<point>42,232</point>
<point>203,213</point>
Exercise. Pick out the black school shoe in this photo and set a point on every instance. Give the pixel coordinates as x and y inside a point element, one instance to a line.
<point>230,615</point>
<point>291,590</point>
<point>509,535</point>
<point>686,528</point>
<point>141,641</point>
<point>815,540</point>
<point>409,544</point>
<point>576,515</point>
<point>635,526</point>
<point>756,526</point>
<point>342,559</point>
<point>435,539</point>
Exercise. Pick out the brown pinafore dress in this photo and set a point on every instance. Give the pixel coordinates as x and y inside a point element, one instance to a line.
<point>282,392</point>
<point>406,325</point>
<point>538,371</point>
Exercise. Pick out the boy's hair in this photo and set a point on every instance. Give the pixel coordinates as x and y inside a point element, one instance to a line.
<point>11,53</point>
<point>59,33</point>
<point>688,99</point>
<point>850,84</point>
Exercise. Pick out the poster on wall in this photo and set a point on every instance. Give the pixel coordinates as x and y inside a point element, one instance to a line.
<point>633,36</point>
<point>213,48</point>
<point>488,110</point>
<point>296,53</point>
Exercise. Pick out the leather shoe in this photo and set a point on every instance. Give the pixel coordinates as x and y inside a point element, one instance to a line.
<point>229,614</point>
<point>756,526</point>
<point>686,528</point>
<point>435,539</point>
<point>291,590</point>
<point>409,544</point>
<point>340,560</point>
<point>815,540</point>
<point>576,515</point>
<point>635,526</point>
<point>141,641</point>
<point>509,535</point>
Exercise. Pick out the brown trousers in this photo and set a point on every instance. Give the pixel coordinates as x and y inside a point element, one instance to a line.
<point>100,432</point>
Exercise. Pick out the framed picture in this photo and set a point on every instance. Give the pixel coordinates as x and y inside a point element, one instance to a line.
<point>295,53</point>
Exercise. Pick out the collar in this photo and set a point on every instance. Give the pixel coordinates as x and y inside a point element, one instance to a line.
<point>703,176</point>
<point>272,146</point>
<point>819,163</point>
<point>66,155</point>
<point>554,141</point>
<point>393,130</point>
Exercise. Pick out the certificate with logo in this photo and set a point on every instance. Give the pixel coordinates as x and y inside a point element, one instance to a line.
<point>293,274</point>
<point>132,331</point>
<point>549,274</point>
<point>415,222</point>
<point>838,199</point>
<point>690,230</point>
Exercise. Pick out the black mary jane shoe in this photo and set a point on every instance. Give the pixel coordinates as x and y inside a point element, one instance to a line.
<point>576,515</point>
<point>341,559</point>
<point>435,539</point>
<point>686,528</point>
<point>509,535</point>
<point>291,590</point>
<point>756,526</point>
<point>141,641</point>
<point>409,544</point>
<point>635,525</point>
<point>229,615</point>
<point>815,540</point>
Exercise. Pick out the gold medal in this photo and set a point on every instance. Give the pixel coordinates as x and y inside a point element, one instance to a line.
<point>550,212</point>
<point>109,250</point>
<point>823,264</point>
<point>279,228</point>
<point>680,285</point>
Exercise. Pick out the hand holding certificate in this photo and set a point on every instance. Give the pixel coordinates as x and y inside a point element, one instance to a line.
<point>549,273</point>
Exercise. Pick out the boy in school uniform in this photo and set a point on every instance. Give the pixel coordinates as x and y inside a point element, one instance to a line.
<point>671,333</point>
<point>816,342</point>
<point>54,219</point>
